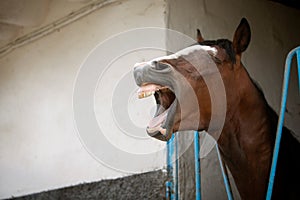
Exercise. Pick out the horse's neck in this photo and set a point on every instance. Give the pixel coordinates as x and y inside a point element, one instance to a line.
<point>248,114</point>
<point>246,140</point>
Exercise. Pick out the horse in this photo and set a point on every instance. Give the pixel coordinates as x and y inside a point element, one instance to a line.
<point>247,137</point>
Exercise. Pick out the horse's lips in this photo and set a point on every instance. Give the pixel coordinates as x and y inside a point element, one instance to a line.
<point>156,122</point>
<point>162,124</point>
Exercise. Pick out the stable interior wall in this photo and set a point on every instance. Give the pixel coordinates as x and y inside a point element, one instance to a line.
<point>39,145</point>
<point>40,149</point>
<point>275,31</point>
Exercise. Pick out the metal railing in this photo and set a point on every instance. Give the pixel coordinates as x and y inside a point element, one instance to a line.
<point>286,78</point>
<point>172,184</point>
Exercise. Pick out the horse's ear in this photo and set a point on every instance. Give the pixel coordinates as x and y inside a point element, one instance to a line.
<point>241,37</point>
<point>199,36</point>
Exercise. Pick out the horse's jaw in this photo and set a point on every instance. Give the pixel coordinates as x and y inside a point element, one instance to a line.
<point>158,82</point>
<point>160,126</point>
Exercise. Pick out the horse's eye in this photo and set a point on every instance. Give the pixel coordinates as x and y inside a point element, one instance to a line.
<point>160,66</point>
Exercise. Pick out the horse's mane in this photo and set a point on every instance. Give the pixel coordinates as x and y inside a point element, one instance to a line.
<point>227,46</point>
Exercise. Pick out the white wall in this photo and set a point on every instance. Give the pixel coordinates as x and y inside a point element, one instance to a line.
<point>40,148</point>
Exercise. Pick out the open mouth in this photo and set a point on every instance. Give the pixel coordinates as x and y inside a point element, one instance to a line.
<point>160,126</point>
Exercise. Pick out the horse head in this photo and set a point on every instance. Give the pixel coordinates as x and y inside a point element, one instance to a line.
<point>178,82</point>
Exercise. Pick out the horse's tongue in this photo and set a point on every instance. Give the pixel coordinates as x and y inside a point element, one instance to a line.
<point>158,120</point>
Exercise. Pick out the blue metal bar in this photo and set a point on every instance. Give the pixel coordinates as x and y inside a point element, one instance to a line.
<point>197,165</point>
<point>168,190</point>
<point>169,183</point>
<point>298,61</point>
<point>287,71</point>
<point>176,178</point>
<point>171,191</point>
<point>225,178</point>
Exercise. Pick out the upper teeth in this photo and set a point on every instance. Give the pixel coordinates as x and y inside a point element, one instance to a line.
<point>148,90</point>
<point>145,94</point>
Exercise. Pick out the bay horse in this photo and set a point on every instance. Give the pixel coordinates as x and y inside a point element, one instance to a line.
<point>247,138</point>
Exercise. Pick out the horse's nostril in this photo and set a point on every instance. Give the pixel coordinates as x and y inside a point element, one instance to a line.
<point>154,63</point>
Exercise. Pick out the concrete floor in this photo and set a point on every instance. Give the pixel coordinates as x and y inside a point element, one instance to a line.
<point>146,186</point>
